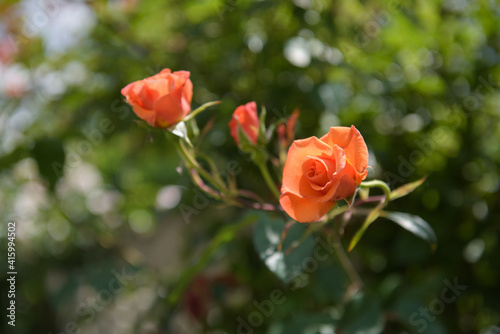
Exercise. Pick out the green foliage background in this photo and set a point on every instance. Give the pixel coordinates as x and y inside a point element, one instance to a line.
<point>419,80</point>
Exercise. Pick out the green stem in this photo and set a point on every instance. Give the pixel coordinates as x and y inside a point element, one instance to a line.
<point>200,109</point>
<point>313,227</point>
<point>345,262</point>
<point>379,184</point>
<point>269,181</point>
<point>191,161</point>
<point>213,167</point>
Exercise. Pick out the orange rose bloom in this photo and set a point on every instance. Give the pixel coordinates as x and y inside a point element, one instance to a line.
<point>319,172</point>
<point>246,117</point>
<point>163,99</point>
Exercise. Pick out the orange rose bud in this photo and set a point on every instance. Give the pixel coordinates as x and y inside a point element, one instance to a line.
<point>163,99</point>
<point>246,118</point>
<point>286,134</point>
<point>290,125</point>
<point>319,172</point>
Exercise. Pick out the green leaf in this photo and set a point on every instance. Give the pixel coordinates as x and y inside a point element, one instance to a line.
<point>323,291</point>
<point>363,314</point>
<point>406,188</point>
<point>413,224</point>
<point>374,214</point>
<point>267,236</point>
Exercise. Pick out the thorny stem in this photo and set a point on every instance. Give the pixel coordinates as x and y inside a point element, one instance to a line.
<point>191,161</point>
<point>196,172</point>
<point>368,200</point>
<point>230,200</point>
<point>195,177</point>
<point>258,206</point>
<point>250,195</point>
<point>212,165</point>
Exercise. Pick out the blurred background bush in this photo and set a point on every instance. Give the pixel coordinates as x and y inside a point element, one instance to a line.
<point>101,243</point>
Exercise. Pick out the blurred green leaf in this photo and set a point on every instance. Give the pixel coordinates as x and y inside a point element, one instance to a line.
<point>374,214</point>
<point>322,287</point>
<point>407,188</point>
<point>363,314</point>
<point>413,224</point>
<point>267,236</point>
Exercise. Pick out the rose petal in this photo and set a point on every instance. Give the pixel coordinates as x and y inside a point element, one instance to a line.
<point>188,92</point>
<point>163,74</point>
<point>142,95</point>
<point>133,95</point>
<point>302,209</point>
<point>179,78</point>
<point>126,90</point>
<point>162,99</point>
<point>145,114</point>
<point>315,170</point>
<point>168,110</point>
<point>300,149</point>
<point>345,187</point>
<point>246,117</point>
<point>354,147</point>
<point>159,86</point>
<point>339,188</point>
